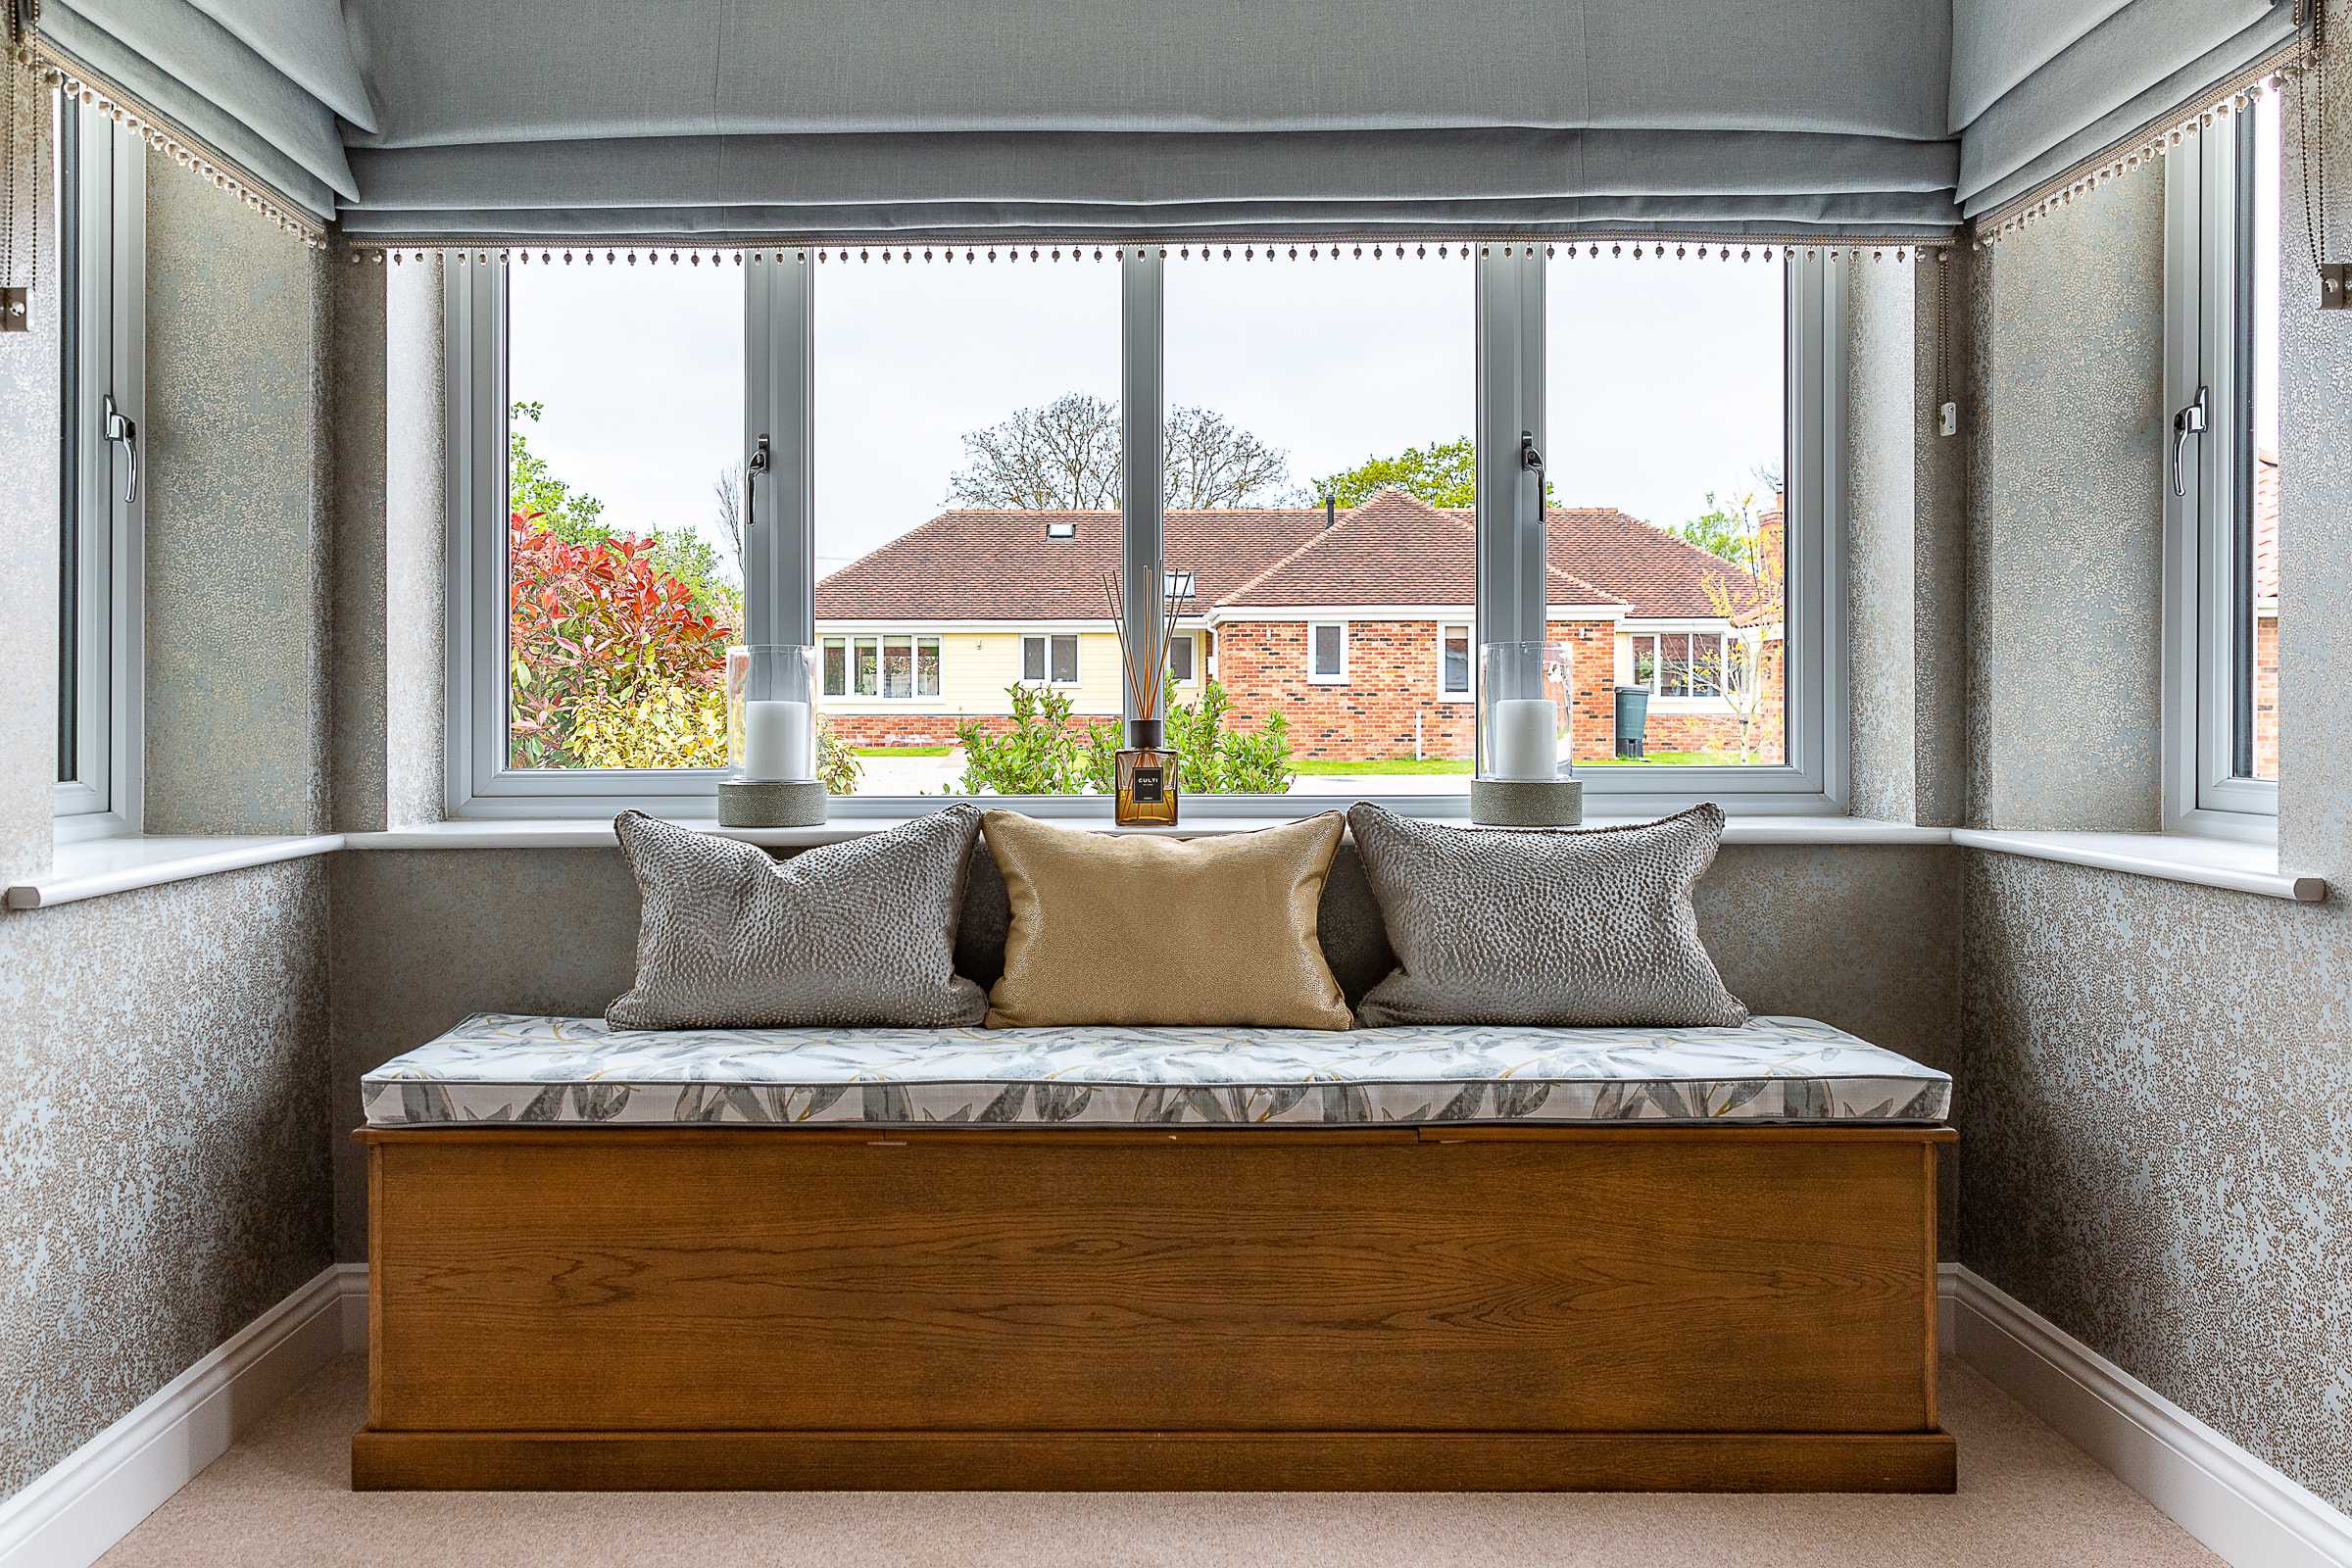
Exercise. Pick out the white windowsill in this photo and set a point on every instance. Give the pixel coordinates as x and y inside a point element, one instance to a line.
<point>97,867</point>
<point>2175,856</point>
<point>100,867</point>
<point>590,834</point>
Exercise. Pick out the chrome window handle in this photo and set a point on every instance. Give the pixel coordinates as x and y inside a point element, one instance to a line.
<point>123,431</point>
<point>2187,422</point>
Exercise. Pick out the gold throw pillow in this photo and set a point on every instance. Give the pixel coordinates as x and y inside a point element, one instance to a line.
<point>1136,930</point>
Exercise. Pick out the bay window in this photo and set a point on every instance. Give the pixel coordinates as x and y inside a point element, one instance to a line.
<point>955,471</point>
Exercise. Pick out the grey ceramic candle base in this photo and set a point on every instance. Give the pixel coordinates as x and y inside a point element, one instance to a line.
<point>1527,803</point>
<point>759,803</point>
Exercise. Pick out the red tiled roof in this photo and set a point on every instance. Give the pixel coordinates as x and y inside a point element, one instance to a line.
<point>1394,549</point>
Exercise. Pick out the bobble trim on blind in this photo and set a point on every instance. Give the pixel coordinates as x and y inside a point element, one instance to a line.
<point>81,85</point>
<point>1686,248</point>
<point>2236,95</point>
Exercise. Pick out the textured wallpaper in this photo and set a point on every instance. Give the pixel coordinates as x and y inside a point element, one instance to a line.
<point>162,1175</point>
<point>237,533</point>
<point>2158,1140</point>
<point>2067,516</point>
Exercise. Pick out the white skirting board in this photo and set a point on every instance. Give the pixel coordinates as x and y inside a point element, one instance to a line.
<point>92,1497</point>
<point>2246,1511</point>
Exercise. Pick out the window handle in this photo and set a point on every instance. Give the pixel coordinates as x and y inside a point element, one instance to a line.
<point>123,431</point>
<point>2189,421</point>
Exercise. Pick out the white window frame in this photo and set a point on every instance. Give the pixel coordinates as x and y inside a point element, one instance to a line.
<point>106,272</point>
<point>1315,677</point>
<point>1049,638</point>
<point>1468,691</point>
<point>2203,306</point>
<point>1509,281</point>
<point>1189,642</point>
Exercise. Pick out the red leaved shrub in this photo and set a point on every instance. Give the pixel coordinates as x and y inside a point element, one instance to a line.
<point>595,621</point>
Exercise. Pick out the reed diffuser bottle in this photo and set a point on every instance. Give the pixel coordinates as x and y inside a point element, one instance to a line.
<point>1146,778</point>
<point>1144,788</point>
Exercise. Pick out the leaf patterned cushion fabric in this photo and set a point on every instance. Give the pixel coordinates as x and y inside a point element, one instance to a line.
<point>1577,928</point>
<point>857,933</point>
<point>503,1067</point>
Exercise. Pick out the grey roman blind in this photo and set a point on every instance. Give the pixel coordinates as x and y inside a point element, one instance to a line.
<point>261,83</point>
<point>552,119</point>
<point>2038,85</point>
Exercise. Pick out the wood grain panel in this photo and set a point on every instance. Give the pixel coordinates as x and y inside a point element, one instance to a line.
<point>1028,1282</point>
<point>1134,1461</point>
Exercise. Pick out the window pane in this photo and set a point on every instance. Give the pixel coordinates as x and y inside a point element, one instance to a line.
<point>2257,589</point>
<point>623,438</point>
<point>868,665</point>
<point>1455,676</point>
<point>1328,653</point>
<point>967,490</point>
<point>66,177</point>
<point>1180,657</point>
<point>837,677</point>
<point>898,668</point>
<point>926,666</point>
<point>1665,399</point>
<point>1291,385</point>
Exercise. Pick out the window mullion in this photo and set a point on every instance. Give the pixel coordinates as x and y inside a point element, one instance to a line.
<point>779,591</point>
<point>1142,439</point>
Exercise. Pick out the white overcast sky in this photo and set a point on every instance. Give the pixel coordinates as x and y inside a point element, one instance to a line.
<point>1665,377</point>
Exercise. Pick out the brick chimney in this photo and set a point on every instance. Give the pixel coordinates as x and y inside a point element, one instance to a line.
<point>1772,530</point>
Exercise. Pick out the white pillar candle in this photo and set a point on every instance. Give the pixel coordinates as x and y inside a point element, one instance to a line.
<point>1526,739</point>
<point>775,740</point>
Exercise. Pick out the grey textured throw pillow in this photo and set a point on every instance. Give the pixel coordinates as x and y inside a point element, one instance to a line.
<point>861,933</point>
<point>1578,928</point>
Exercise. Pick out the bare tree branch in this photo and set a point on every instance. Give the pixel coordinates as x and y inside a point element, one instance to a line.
<point>726,494</point>
<point>1067,455</point>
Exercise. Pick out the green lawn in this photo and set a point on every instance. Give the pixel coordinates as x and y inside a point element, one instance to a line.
<point>1326,767</point>
<point>902,751</point>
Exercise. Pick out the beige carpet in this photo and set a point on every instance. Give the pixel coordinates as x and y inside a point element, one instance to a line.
<point>282,1497</point>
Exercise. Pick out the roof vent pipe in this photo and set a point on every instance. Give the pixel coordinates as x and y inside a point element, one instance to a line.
<point>1330,511</point>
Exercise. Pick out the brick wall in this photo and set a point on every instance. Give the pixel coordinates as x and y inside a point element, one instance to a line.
<point>1393,682</point>
<point>2266,697</point>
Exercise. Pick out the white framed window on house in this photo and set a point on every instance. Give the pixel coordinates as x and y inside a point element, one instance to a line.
<point>2222,720</point>
<point>1456,661</point>
<point>100,181</point>
<point>1327,652</point>
<point>1049,660</point>
<point>886,667</point>
<point>934,476</point>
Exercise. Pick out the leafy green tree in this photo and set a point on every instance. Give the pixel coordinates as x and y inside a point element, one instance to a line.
<point>1444,473</point>
<point>1727,528</point>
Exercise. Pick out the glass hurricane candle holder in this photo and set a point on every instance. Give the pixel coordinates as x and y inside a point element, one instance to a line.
<point>1526,737</point>
<point>1524,721</point>
<point>771,713</point>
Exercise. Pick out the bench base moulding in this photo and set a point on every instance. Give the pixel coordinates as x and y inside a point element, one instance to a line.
<point>1408,1307</point>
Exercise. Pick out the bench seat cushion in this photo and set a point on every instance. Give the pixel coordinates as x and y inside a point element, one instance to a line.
<point>508,1068</point>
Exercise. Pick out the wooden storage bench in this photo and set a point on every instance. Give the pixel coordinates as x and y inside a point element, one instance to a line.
<point>1463,1304</point>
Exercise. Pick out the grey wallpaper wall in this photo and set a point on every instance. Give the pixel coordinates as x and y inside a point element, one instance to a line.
<point>164,1052</point>
<point>237,528</point>
<point>2158,1078</point>
<point>162,1175</point>
<point>2065,546</point>
<point>1860,937</point>
<point>2159,1140</point>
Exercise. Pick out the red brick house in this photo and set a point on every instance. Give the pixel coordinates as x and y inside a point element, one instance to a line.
<point>1355,625</point>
